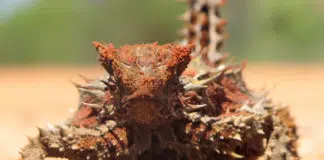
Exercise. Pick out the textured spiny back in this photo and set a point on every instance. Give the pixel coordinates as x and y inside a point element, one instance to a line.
<point>147,108</point>
<point>204,29</point>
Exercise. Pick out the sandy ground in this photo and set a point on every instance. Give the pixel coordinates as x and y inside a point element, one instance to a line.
<point>35,96</point>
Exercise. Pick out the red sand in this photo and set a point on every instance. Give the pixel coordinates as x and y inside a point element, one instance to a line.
<point>35,96</point>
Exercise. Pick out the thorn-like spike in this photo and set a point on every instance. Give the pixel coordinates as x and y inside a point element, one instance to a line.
<point>227,110</point>
<point>21,155</point>
<point>29,139</point>
<point>260,131</point>
<point>77,85</point>
<point>222,23</point>
<point>208,80</point>
<point>97,93</point>
<point>184,17</point>
<point>86,79</point>
<point>51,127</point>
<point>105,82</point>
<point>92,105</point>
<point>196,107</point>
<point>237,137</point>
<point>97,44</point>
<point>98,86</point>
<point>183,32</point>
<point>42,132</point>
<point>106,51</point>
<point>200,74</point>
<point>32,141</point>
<point>63,132</point>
<point>243,64</point>
<point>236,155</point>
<point>192,86</point>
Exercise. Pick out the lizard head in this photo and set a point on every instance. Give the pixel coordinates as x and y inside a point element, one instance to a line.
<point>144,74</point>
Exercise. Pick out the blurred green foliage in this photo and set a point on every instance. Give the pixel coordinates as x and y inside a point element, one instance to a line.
<point>57,31</point>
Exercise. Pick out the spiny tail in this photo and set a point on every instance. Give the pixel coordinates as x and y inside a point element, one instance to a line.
<point>204,28</point>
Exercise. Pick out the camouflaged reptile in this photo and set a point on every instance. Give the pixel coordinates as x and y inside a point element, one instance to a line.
<point>173,101</point>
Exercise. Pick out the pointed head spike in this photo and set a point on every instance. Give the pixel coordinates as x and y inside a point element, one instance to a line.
<point>107,53</point>
<point>180,58</point>
<point>32,141</point>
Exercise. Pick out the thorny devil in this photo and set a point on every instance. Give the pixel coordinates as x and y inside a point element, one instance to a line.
<point>175,101</point>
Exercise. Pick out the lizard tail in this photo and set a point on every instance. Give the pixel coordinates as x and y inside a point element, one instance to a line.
<point>204,28</point>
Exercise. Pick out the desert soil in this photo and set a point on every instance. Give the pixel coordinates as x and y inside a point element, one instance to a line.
<point>36,96</point>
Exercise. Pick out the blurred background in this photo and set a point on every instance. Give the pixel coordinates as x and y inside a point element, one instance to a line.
<point>59,32</point>
<point>44,44</point>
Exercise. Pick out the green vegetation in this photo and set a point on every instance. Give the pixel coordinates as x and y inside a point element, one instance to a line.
<point>53,31</point>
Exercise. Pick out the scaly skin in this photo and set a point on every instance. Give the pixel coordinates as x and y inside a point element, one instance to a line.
<point>151,106</point>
